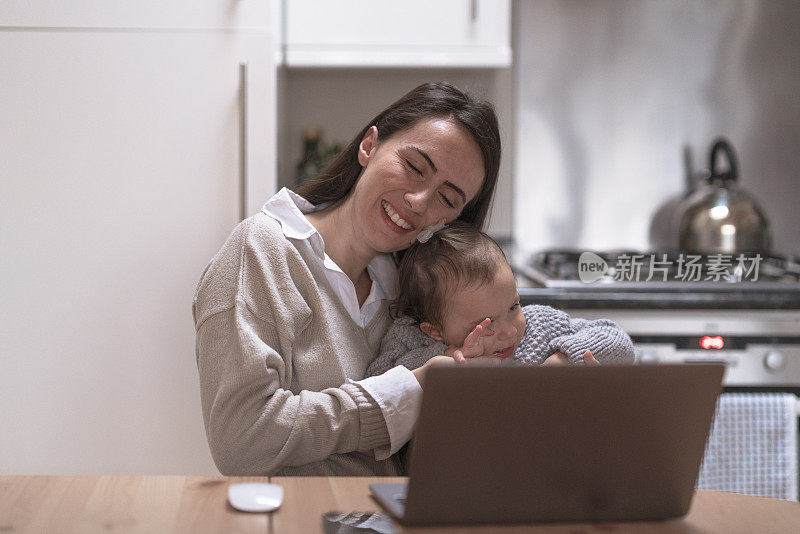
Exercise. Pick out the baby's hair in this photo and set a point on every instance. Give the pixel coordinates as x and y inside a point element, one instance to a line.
<point>456,257</point>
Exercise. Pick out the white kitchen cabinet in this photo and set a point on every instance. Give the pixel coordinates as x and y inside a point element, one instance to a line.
<point>387,33</point>
<point>139,14</point>
<point>122,152</point>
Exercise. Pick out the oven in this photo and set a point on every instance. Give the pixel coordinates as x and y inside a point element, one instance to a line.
<point>743,312</point>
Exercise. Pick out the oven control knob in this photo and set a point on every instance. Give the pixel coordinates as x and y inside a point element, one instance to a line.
<point>774,361</point>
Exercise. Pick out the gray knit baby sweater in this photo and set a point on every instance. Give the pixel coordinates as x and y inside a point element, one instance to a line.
<point>547,330</point>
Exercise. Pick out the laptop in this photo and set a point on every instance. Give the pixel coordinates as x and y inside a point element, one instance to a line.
<point>512,444</point>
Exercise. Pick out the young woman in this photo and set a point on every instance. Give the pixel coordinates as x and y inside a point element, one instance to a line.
<point>292,309</point>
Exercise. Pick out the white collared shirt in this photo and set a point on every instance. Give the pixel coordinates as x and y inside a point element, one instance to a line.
<point>289,208</point>
<point>396,391</point>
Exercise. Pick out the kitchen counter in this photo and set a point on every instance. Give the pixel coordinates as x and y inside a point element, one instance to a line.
<point>148,504</point>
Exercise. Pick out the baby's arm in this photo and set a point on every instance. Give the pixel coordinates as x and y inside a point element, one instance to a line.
<point>404,344</point>
<point>608,343</point>
<point>559,332</point>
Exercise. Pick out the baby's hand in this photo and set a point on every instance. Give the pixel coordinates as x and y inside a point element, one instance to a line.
<point>473,344</point>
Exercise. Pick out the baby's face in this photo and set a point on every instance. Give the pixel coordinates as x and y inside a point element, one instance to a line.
<point>497,300</point>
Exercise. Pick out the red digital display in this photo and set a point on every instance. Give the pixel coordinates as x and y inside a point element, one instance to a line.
<point>712,342</point>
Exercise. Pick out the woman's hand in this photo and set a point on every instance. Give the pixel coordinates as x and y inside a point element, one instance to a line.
<point>419,372</point>
<point>589,359</point>
<point>474,343</point>
<point>559,358</point>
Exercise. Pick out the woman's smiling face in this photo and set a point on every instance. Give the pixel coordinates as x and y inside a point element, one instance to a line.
<point>418,177</point>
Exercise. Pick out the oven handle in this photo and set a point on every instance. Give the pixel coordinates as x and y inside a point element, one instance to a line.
<point>727,360</point>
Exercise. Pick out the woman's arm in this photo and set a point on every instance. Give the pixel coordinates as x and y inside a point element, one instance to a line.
<point>254,423</point>
<point>273,360</point>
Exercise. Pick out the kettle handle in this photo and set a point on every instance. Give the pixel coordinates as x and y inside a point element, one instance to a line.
<point>733,170</point>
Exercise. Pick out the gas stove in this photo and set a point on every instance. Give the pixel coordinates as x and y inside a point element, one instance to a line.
<point>665,279</point>
<point>742,310</point>
<point>564,267</point>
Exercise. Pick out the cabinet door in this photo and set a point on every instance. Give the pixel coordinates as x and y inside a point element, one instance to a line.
<point>390,33</point>
<point>120,180</point>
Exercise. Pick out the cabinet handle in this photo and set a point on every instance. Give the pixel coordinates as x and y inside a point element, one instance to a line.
<point>242,141</point>
<point>473,10</point>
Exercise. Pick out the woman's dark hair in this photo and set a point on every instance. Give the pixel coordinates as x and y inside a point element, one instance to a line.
<point>427,101</point>
<point>457,256</point>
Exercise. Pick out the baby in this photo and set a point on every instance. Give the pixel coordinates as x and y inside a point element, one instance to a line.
<point>458,297</point>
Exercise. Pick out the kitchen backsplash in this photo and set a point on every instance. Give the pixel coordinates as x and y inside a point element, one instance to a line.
<point>608,93</point>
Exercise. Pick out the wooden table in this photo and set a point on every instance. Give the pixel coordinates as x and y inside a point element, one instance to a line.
<point>155,504</point>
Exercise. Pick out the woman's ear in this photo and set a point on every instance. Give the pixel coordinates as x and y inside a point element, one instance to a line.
<point>367,145</point>
<point>431,331</point>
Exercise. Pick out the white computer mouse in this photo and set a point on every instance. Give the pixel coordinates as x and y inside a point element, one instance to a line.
<point>255,496</point>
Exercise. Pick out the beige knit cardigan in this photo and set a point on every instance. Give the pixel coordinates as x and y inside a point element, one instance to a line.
<point>275,347</point>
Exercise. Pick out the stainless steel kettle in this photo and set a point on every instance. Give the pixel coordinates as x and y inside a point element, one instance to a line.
<point>721,217</point>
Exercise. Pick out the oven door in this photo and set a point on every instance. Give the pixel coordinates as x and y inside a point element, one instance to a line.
<point>756,437</point>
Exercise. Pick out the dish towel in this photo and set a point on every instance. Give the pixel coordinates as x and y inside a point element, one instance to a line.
<point>752,447</point>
